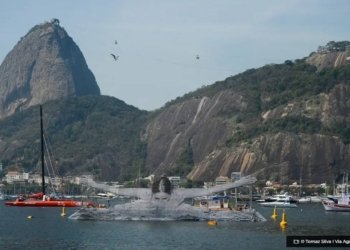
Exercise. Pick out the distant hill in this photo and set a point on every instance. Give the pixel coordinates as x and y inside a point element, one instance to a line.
<point>44,65</point>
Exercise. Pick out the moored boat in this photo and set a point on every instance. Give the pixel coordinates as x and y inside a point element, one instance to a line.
<point>304,200</point>
<point>330,205</point>
<point>278,204</point>
<point>339,204</point>
<point>279,198</point>
<point>47,203</point>
<point>309,199</point>
<point>41,199</point>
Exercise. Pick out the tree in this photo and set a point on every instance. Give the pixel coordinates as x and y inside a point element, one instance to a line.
<point>55,21</point>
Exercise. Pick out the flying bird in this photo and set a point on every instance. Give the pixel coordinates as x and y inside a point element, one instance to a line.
<point>114,57</point>
<point>197,57</point>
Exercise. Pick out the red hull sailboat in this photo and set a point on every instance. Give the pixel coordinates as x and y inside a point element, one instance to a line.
<point>40,199</point>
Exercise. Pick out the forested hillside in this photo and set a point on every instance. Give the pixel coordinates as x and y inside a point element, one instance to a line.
<point>92,134</point>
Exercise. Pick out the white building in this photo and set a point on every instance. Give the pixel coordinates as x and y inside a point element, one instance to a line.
<point>84,179</point>
<point>175,181</point>
<point>235,176</point>
<point>221,180</point>
<point>35,178</point>
<point>15,176</point>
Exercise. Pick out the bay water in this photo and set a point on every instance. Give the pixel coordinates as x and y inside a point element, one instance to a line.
<point>48,230</point>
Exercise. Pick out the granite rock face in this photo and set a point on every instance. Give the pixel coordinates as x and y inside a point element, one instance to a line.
<point>283,156</point>
<point>330,59</point>
<point>205,124</point>
<point>44,65</point>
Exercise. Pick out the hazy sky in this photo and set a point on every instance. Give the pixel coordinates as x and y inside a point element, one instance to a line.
<point>158,40</point>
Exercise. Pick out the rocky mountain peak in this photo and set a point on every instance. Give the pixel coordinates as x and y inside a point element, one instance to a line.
<point>333,54</point>
<point>44,65</point>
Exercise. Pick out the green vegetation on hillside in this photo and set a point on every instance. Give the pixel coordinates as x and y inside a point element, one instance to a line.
<point>91,134</point>
<point>102,135</point>
<point>184,163</point>
<point>276,84</point>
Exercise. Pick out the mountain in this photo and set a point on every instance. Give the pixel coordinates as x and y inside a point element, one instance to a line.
<point>97,135</point>
<point>44,65</point>
<point>89,133</point>
<point>282,122</point>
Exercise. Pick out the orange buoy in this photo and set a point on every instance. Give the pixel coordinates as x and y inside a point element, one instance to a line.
<point>212,222</point>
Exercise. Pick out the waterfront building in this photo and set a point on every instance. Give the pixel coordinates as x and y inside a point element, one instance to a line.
<point>15,175</point>
<point>175,181</point>
<point>221,180</point>
<point>235,176</point>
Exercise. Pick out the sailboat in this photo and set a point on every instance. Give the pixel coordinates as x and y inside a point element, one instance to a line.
<point>342,204</point>
<point>41,199</point>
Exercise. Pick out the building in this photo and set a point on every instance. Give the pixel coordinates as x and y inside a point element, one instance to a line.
<point>36,178</point>
<point>221,180</point>
<point>235,176</point>
<point>175,181</point>
<point>56,181</point>
<point>84,179</point>
<point>15,175</point>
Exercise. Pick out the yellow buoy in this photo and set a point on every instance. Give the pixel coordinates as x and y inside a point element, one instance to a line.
<point>29,217</point>
<point>283,222</point>
<point>274,214</point>
<point>212,222</point>
<point>63,213</point>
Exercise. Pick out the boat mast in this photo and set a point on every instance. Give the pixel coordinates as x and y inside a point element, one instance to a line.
<point>42,151</point>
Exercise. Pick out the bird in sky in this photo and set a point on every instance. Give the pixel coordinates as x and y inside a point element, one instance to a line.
<point>114,57</point>
<point>197,57</point>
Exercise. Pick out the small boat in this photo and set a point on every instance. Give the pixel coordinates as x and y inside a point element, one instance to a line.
<point>304,200</point>
<point>107,195</point>
<point>309,199</point>
<point>41,199</point>
<point>279,198</point>
<point>339,204</point>
<point>335,207</point>
<point>278,204</point>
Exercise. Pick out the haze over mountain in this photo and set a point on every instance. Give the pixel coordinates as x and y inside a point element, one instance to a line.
<point>281,122</point>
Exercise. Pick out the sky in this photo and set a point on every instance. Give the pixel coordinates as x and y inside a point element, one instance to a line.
<point>158,41</point>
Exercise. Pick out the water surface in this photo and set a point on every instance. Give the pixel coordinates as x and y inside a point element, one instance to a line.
<point>48,230</point>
